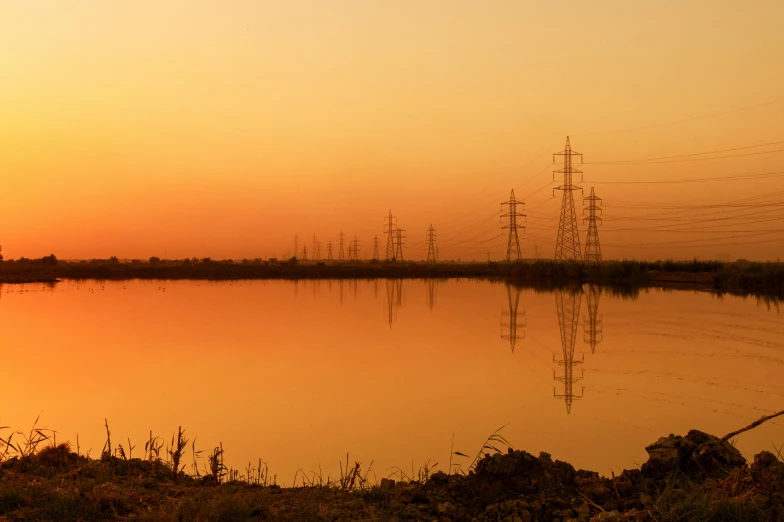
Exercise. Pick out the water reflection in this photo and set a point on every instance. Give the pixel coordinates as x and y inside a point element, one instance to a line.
<point>567,305</point>
<point>512,324</point>
<point>592,325</point>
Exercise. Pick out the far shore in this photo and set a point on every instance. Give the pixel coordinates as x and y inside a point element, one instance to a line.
<point>739,277</point>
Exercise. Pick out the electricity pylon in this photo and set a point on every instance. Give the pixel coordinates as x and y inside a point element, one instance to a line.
<point>567,246</point>
<point>341,242</point>
<point>509,329</point>
<point>513,248</point>
<point>329,250</point>
<point>375,247</point>
<point>592,328</point>
<point>304,253</point>
<point>399,242</point>
<point>431,245</point>
<point>353,250</point>
<point>567,304</point>
<point>389,230</point>
<point>593,250</point>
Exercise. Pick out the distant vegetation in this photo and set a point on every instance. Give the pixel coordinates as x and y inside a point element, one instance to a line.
<point>741,277</point>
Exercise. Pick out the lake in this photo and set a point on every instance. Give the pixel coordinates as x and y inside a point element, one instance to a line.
<point>391,371</point>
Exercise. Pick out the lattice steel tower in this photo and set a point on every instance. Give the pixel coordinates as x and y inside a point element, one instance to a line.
<point>399,243</point>
<point>567,303</point>
<point>593,250</point>
<point>353,250</point>
<point>513,247</point>
<point>329,250</point>
<point>513,328</point>
<point>341,243</point>
<point>567,246</point>
<point>592,326</point>
<point>389,230</point>
<point>431,244</point>
<point>376,243</point>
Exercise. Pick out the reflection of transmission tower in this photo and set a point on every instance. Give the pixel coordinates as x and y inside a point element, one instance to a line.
<point>567,246</point>
<point>510,329</point>
<point>431,293</point>
<point>375,247</point>
<point>567,303</point>
<point>341,242</point>
<point>431,245</point>
<point>513,248</point>
<point>389,230</point>
<point>593,250</point>
<point>391,290</point>
<point>592,328</point>
<point>399,242</point>
<point>329,250</point>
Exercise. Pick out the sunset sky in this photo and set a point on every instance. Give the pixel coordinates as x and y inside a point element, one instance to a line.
<point>224,128</point>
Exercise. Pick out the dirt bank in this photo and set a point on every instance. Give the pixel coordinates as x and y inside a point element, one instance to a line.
<point>696,477</point>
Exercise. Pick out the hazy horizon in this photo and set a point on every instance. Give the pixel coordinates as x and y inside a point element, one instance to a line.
<point>223,129</point>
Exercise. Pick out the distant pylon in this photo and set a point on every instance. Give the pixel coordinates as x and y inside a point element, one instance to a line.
<point>509,330</point>
<point>513,248</point>
<point>593,250</point>
<point>353,250</point>
<point>389,229</point>
<point>399,242</point>
<point>567,246</point>
<point>329,250</point>
<point>376,243</point>
<point>304,253</point>
<point>592,327</point>
<point>341,242</point>
<point>431,245</point>
<point>567,304</point>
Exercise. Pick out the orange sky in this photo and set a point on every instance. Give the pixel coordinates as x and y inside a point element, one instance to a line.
<point>222,129</point>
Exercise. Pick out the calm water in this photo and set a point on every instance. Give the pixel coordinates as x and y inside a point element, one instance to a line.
<point>300,373</point>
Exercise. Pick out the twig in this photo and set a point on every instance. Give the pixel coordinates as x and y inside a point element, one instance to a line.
<point>750,426</point>
<point>591,502</point>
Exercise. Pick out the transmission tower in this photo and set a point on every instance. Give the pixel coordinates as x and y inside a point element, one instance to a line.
<point>567,246</point>
<point>399,242</point>
<point>389,229</point>
<point>509,328</point>
<point>329,250</point>
<point>353,250</point>
<point>592,328</point>
<point>376,243</point>
<point>304,253</point>
<point>513,248</point>
<point>567,303</point>
<point>431,245</point>
<point>341,242</point>
<point>593,250</point>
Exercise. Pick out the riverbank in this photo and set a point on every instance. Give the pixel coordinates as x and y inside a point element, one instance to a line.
<point>741,277</point>
<point>695,477</point>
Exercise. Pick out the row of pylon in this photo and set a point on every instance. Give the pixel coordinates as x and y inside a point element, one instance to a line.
<point>567,245</point>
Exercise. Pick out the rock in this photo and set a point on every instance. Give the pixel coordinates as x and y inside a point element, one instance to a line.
<point>545,456</point>
<point>405,493</point>
<point>447,509</point>
<point>696,453</point>
<point>611,516</point>
<point>387,485</point>
<point>583,511</point>
<point>525,516</point>
<point>597,492</point>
